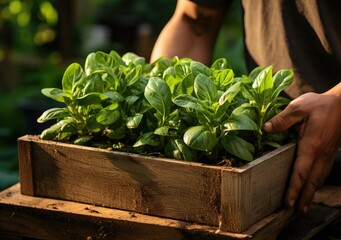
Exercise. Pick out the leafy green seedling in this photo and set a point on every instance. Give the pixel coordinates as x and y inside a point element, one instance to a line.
<point>177,108</point>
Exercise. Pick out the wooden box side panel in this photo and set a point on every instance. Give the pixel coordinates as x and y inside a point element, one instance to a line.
<point>126,181</point>
<point>253,192</point>
<point>25,167</point>
<point>235,204</point>
<point>268,182</point>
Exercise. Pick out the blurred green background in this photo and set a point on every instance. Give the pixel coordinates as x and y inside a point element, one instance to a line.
<point>39,39</point>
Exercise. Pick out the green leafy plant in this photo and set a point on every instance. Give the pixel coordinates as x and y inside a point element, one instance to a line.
<point>177,108</point>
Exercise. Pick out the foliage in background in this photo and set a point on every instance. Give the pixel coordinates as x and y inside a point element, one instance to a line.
<point>31,24</point>
<point>179,107</point>
<point>154,12</point>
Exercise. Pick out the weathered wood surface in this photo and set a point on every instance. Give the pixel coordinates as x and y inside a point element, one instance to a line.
<point>125,181</point>
<point>43,218</point>
<point>255,190</point>
<point>213,195</point>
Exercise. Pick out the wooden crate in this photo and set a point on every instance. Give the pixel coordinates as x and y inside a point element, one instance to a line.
<point>232,199</point>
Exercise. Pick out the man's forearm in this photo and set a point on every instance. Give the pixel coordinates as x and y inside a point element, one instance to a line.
<point>191,32</point>
<point>336,91</point>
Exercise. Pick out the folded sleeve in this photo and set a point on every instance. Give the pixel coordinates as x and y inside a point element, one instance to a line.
<point>213,3</point>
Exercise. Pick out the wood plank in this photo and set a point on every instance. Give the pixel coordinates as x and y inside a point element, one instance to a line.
<point>268,182</point>
<point>25,168</point>
<point>44,218</point>
<point>255,190</point>
<point>233,206</point>
<point>180,190</point>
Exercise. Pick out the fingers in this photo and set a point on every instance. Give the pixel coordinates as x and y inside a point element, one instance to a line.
<point>300,174</point>
<point>310,170</point>
<point>317,144</point>
<point>290,116</point>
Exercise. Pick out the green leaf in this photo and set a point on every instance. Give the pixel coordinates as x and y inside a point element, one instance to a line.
<point>185,85</point>
<point>238,147</point>
<point>199,68</point>
<point>94,83</point>
<point>161,65</point>
<point>53,113</point>
<point>93,125</point>
<point>230,93</point>
<point>181,70</point>
<point>90,64</point>
<point>137,88</point>
<point>73,76</point>
<point>56,94</point>
<point>246,109</point>
<point>90,99</point>
<point>112,106</point>
<point>250,94</point>
<point>255,72</point>
<point>173,83</point>
<point>272,144</point>
<point>176,148</point>
<point>117,133</point>
<point>263,81</point>
<point>225,78</point>
<point>148,138</point>
<point>130,57</point>
<point>104,60</point>
<point>68,128</point>
<point>132,105</point>
<point>200,138</point>
<point>115,96</point>
<point>134,122</point>
<point>187,101</point>
<point>220,64</point>
<point>169,71</point>
<point>281,79</point>
<point>206,115</point>
<point>240,122</point>
<point>51,132</point>
<point>117,58</point>
<point>204,88</point>
<point>158,95</point>
<point>162,131</point>
<point>82,140</point>
<point>108,117</point>
<point>133,75</point>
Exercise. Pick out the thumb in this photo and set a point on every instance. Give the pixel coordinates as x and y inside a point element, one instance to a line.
<point>282,121</point>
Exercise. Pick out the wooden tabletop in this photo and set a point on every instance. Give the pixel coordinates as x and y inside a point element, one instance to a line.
<point>42,218</point>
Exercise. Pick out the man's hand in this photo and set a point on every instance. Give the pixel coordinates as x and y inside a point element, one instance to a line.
<point>318,121</point>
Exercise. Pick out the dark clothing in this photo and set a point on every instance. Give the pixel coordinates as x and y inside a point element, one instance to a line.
<point>303,35</point>
<point>213,3</point>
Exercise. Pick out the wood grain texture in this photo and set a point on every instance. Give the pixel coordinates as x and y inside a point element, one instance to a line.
<point>126,181</point>
<point>23,216</point>
<point>255,190</point>
<point>231,198</point>
<point>44,218</point>
<point>25,167</point>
